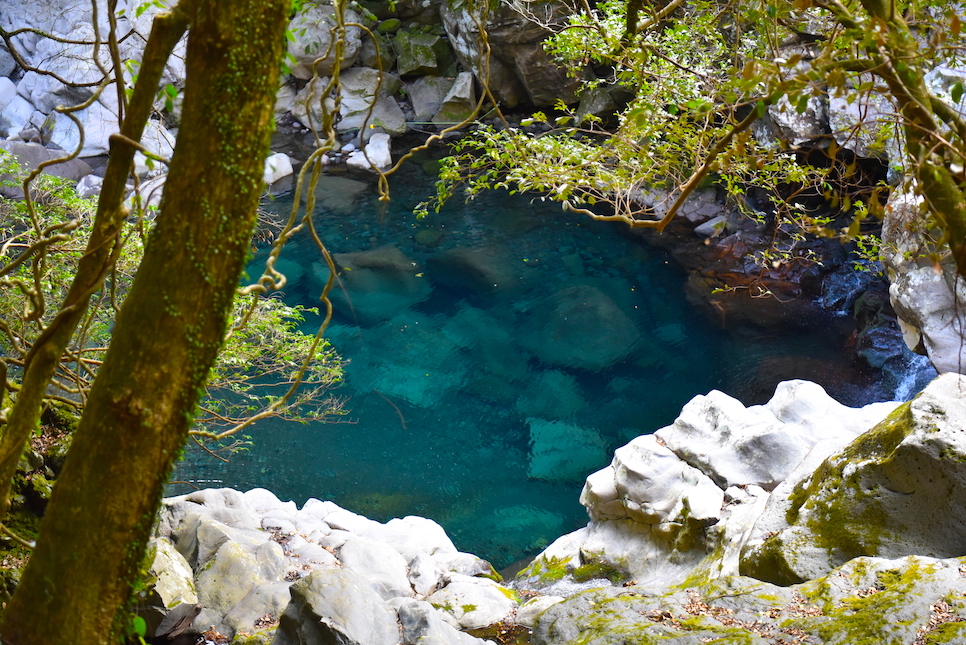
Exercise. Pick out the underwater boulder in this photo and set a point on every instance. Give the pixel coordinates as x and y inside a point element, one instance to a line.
<point>580,326</point>
<point>563,452</point>
<point>375,285</point>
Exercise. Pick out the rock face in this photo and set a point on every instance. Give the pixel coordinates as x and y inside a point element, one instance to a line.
<point>898,489</point>
<point>684,498</point>
<point>262,569</point>
<point>865,527</point>
<point>929,298</point>
<point>520,71</point>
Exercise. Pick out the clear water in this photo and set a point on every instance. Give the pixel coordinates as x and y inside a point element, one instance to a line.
<point>484,407</point>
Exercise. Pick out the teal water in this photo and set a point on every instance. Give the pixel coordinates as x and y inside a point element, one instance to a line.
<point>499,352</point>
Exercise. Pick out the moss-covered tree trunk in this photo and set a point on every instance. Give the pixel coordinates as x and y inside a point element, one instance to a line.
<point>92,539</point>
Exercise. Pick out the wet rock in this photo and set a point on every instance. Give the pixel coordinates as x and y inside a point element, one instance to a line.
<point>581,327</point>
<point>758,445</point>
<point>485,270</point>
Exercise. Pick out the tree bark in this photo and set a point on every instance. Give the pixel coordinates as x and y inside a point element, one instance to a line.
<point>92,539</point>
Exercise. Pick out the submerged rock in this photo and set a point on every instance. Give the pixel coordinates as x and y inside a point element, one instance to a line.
<point>561,451</point>
<point>581,327</point>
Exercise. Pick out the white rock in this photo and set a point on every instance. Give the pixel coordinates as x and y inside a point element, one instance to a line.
<point>15,115</point>
<point>379,564</point>
<point>311,32</point>
<point>99,124</point>
<point>175,580</point>
<point>423,625</point>
<point>424,574</point>
<point>657,486</point>
<point>377,154</point>
<point>474,602</point>
<point>529,611</point>
<point>337,606</point>
<point>277,166</point>
<point>89,186</point>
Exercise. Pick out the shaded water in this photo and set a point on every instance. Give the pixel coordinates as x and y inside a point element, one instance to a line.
<point>498,353</point>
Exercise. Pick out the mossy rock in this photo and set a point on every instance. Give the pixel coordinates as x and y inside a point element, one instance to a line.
<point>869,601</point>
<point>899,489</point>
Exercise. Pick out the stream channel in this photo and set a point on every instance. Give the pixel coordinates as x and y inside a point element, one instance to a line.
<point>498,353</point>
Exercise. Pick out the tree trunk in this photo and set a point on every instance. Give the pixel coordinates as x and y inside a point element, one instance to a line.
<point>45,355</point>
<point>92,539</point>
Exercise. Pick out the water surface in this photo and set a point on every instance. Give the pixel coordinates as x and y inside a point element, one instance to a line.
<point>499,352</point>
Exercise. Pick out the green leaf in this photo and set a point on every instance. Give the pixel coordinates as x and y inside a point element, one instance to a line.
<point>139,626</point>
<point>957,92</point>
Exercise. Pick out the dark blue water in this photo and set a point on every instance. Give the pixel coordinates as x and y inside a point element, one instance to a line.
<point>498,352</point>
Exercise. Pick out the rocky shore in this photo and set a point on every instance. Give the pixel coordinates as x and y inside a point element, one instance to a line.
<point>797,521</point>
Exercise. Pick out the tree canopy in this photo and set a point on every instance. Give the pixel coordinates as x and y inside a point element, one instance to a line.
<point>699,80</point>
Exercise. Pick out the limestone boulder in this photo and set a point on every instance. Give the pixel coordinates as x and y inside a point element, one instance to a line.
<point>379,564</point>
<point>520,70</point>
<point>480,270</point>
<point>426,94</point>
<point>312,31</point>
<point>686,500</point>
<point>230,575</point>
<point>31,155</point>
<point>652,485</point>
<point>406,357</point>
<point>459,103</point>
<point>551,394</point>
<point>580,326</point>
<point>421,53</point>
<point>336,606</point>
<point>929,299</point>
<point>367,102</point>
<point>473,602</point>
<point>377,154</point>
<point>422,624</point>
<point>898,489</point>
<point>869,600</point>
<point>761,445</point>
<point>277,166</point>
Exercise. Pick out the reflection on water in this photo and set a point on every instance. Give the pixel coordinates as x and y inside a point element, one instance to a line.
<point>498,353</point>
